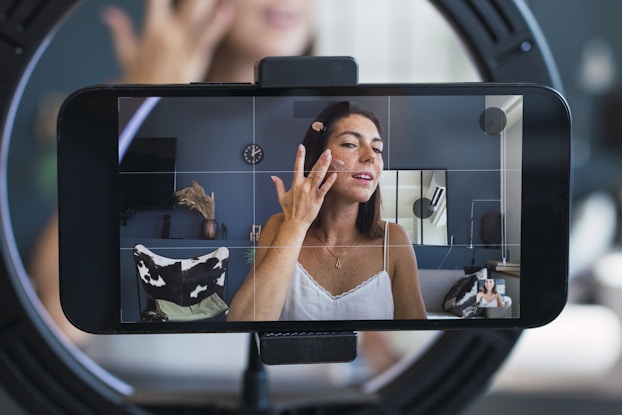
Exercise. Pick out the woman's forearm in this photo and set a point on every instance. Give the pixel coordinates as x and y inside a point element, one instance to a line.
<point>262,295</point>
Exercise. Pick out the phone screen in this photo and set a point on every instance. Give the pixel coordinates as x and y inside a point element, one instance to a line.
<point>453,187</point>
<point>194,191</point>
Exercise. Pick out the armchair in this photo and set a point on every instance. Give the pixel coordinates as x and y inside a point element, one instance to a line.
<point>181,289</point>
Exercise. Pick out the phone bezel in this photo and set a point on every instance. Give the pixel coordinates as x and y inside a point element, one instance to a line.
<point>87,140</point>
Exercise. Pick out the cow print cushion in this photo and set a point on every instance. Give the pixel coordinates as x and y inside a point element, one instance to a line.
<point>184,282</point>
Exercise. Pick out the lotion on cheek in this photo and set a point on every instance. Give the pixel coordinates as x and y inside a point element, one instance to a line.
<point>337,164</point>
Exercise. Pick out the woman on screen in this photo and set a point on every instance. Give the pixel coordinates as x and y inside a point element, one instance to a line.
<point>328,255</point>
<point>489,296</point>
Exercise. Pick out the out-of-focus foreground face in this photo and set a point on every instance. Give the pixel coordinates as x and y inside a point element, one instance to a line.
<point>272,27</point>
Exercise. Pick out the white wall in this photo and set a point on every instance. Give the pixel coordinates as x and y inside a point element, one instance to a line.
<point>511,175</point>
<point>393,40</point>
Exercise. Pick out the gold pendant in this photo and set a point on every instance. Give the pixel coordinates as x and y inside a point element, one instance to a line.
<point>338,264</point>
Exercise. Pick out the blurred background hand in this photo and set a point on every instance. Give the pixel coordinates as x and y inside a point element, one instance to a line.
<point>177,42</point>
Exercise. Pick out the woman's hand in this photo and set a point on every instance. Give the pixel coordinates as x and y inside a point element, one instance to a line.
<point>263,293</point>
<point>302,203</point>
<point>177,43</point>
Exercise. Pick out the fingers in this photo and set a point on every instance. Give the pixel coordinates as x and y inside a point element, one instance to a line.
<point>197,12</point>
<point>208,20</point>
<point>319,170</point>
<point>299,163</point>
<point>122,32</point>
<point>157,11</point>
<point>218,26</point>
<point>328,183</point>
<point>280,187</point>
<point>304,199</point>
<point>318,174</point>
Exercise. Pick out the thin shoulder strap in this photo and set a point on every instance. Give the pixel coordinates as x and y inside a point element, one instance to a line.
<point>386,234</point>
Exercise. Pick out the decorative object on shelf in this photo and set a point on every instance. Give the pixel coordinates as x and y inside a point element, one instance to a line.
<point>166,226</point>
<point>249,255</point>
<point>195,198</point>
<point>125,215</point>
<point>225,230</point>
<point>255,233</point>
<point>209,229</point>
<point>252,154</point>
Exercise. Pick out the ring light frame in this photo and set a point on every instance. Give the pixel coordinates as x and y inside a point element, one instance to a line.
<point>46,375</point>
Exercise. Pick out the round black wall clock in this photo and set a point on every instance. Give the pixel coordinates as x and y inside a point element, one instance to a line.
<point>252,154</point>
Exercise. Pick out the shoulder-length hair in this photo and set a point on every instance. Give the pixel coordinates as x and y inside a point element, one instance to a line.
<point>368,221</point>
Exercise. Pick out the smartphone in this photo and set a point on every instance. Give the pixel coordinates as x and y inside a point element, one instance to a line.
<point>477,175</point>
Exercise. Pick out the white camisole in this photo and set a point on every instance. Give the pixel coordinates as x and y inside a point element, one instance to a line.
<point>484,303</point>
<point>307,300</point>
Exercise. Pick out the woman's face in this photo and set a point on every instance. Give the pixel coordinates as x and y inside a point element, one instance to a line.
<point>356,142</point>
<point>272,27</point>
<point>489,285</point>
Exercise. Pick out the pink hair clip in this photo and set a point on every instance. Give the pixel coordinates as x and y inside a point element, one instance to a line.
<point>318,126</point>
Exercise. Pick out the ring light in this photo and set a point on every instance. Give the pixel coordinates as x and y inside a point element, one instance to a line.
<point>45,375</point>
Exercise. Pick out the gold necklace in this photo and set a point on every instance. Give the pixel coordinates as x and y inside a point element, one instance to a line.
<point>338,263</point>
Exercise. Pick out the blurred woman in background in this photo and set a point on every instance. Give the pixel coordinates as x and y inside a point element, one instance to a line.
<point>184,41</point>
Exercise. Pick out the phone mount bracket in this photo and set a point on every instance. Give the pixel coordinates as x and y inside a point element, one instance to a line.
<point>287,347</point>
<point>284,348</point>
<point>307,71</point>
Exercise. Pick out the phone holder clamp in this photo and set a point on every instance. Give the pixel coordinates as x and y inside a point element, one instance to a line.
<point>307,71</point>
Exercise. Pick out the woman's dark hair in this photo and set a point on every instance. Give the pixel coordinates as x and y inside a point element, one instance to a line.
<point>368,220</point>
